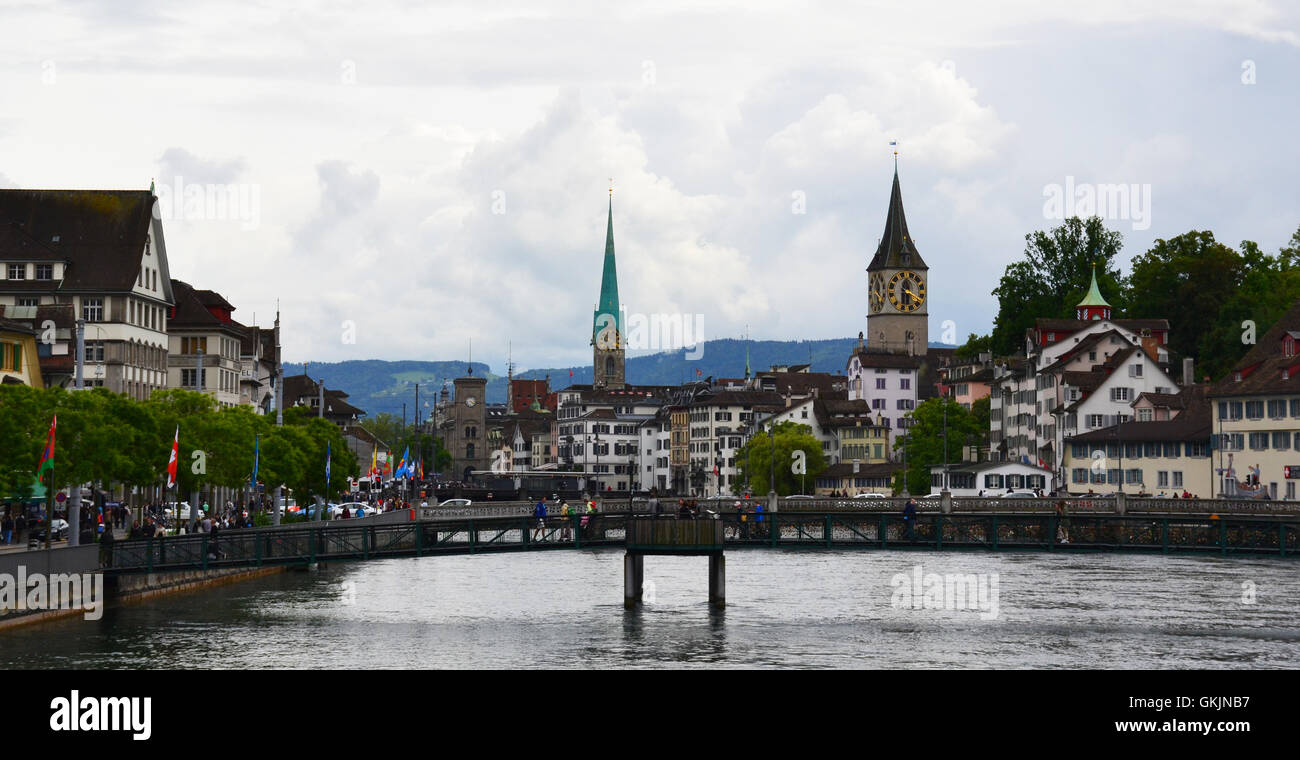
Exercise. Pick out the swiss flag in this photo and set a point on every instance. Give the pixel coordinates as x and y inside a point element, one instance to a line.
<point>570,373</point>
<point>171,464</point>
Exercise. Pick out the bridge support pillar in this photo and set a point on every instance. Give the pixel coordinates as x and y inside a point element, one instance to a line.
<point>1120,505</point>
<point>633,579</point>
<point>717,580</point>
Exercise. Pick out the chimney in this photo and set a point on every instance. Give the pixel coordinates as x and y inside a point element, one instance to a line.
<point>1152,348</point>
<point>860,342</point>
<point>1189,377</point>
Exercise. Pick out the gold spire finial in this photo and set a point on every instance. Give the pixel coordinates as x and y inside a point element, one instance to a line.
<point>611,187</point>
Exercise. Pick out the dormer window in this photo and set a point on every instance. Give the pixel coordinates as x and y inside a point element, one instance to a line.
<point>1288,346</point>
<point>1236,377</point>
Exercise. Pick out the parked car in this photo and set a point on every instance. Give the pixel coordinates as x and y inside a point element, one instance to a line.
<point>37,535</point>
<point>185,511</point>
<point>870,496</point>
<point>456,503</point>
<point>336,510</point>
<point>1019,495</point>
<point>801,497</point>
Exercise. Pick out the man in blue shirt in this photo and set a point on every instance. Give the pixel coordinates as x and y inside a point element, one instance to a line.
<point>540,513</point>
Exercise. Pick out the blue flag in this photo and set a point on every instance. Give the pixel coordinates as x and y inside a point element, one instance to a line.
<point>257,447</point>
<point>404,466</point>
<point>327,467</point>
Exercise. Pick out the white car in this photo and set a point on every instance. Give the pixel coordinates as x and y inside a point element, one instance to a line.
<point>800,496</point>
<point>870,496</point>
<point>186,511</point>
<point>336,510</point>
<point>456,503</point>
<point>1019,495</point>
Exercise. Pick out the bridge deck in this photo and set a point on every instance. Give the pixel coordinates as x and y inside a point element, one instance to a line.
<point>1257,536</point>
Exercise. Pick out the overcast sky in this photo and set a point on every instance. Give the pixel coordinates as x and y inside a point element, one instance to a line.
<point>436,173</point>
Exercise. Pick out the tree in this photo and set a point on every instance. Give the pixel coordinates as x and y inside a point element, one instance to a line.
<point>1207,290</point>
<point>754,459</point>
<point>1187,279</point>
<point>1053,277</point>
<point>925,440</point>
<point>974,346</point>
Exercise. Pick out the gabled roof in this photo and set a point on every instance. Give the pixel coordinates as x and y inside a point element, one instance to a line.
<point>896,249</point>
<point>1267,362</point>
<point>190,310</point>
<point>99,233</point>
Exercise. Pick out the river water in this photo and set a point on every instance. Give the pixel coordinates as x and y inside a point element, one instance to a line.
<point>785,608</point>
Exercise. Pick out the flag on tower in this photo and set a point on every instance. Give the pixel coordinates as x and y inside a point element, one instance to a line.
<point>171,463</point>
<point>47,458</point>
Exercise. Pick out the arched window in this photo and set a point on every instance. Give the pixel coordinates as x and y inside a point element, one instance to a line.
<point>469,451</point>
<point>609,366</point>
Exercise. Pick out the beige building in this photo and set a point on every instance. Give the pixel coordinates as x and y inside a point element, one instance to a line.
<point>1257,417</point>
<point>1166,455</point>
<point>18,360</point>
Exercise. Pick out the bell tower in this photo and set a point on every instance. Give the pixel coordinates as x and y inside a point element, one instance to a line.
<point>899,319</point>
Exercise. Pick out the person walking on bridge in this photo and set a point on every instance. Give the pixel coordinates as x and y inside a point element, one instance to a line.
<point>565,513</point>
<point>539,533</point>
<point>909,520</point>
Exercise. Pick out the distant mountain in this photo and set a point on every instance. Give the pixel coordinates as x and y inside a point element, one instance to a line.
<point>383,386</point>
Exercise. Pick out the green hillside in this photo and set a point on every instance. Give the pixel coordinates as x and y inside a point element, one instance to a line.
<point>383,386</point>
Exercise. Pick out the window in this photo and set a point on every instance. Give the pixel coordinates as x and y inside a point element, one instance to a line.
<point>1121,394</point>
<point>1276,408</point>
<point>45,271</point>
<point>1281,441</point>
<point>469,451</point>
<point>1144,415</point>
<point>187,378</point>
<point>94,350</point>
<point>1135,370</point>
<point>1254,410</point>
<point>29,301</point>
<point>1133,476</point>
<point>1079,475</point>
<point>905,383</point>
<point>92,309</point>
<point>1259,441</point>
<point>1132,450</point>
<point>1178,479</point>
<point>17,271</point>
<point>1094,420</point>
<point>1162,479</point>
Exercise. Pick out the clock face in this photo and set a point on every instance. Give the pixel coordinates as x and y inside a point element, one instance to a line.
<point>470,401</point>
<point>876,294</point>
<point>907,291</point>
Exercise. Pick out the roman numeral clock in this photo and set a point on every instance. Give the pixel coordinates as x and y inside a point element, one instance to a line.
<point>906,291</point>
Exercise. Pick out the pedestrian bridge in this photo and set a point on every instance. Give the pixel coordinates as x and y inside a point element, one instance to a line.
<point>308,543</point>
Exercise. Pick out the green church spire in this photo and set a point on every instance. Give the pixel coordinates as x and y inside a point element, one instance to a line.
<point>608,303</point>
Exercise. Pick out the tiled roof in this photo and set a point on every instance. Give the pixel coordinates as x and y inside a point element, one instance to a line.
<point>100,233</point>
<point>1261,367</point>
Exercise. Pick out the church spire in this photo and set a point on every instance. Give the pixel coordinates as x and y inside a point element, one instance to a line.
<point>608,303</point>
<point>896,249</point>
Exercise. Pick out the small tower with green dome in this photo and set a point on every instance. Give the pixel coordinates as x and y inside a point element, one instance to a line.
<point>1093,306</point>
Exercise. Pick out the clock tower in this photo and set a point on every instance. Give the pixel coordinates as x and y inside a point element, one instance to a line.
<point>469,427</point>
<point>899,317</point>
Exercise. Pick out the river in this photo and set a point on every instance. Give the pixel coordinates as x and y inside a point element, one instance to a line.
<point>785,609</point>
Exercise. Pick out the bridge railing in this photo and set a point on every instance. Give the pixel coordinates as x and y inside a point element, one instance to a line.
<point>1275,535</point>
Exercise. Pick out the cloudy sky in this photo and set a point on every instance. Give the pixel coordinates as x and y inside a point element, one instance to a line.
<point>433,174</point>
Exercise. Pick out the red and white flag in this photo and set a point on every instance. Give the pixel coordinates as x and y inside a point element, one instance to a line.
<point>171,464</point>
